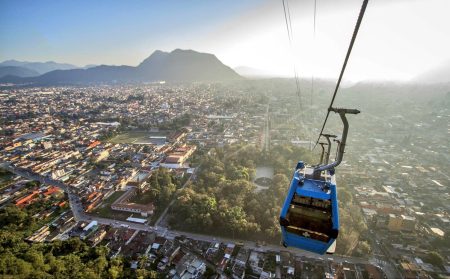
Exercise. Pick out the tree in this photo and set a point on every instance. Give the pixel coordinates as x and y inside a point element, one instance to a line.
<point>72,258</point>
<point>114,272</point>
<point>364,248</point>
<point>345,196</point>
<point>209,272</point>
<point>225,177</point>
<point>100,264</point>
<point>435,259</point>
<point>167,192</point>
<point>144,274</point>
<point>36,258</point>
<point>32,184</point>
<point>12,215</point>
<point>74,265</point>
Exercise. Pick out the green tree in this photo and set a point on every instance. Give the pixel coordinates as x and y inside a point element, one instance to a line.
<point>12,215</point>
<point>435,259</point>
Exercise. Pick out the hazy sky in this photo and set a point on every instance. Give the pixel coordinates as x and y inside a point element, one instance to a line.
<point>398,38</point>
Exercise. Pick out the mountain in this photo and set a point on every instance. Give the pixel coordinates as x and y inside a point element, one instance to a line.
<point>17,71</point>
<point>178,65</point>
<point>185,65</point>
<point>89,66</point>
<point>101,73</point>
<point>40,67</point>
<point>440,74</point>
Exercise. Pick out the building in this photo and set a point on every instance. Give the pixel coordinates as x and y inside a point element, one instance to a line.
<point>401,223</point>
<point>177,137</point>
<point>97,237</point>
<point>394,223</point>
<point>102,155</point>
<point>90,226</point>
<point>178,157</point>
<point>27,199</point>
<point>123,204</point>
<point>194,269</point>
<point>408,223</point>
<point>139,178</point>
<point>412,271</point>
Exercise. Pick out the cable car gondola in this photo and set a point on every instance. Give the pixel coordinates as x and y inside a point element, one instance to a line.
<point>309,218</point>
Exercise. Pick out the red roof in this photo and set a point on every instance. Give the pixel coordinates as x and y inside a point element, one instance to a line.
<point>94,144</point>
<point>61,204</point>
<point>51,190</point>
<point>27,198</point>
<point>172,159</point>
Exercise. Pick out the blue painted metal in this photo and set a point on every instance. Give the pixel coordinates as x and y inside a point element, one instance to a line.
<point>307,187</point>
<point>304,243</point>
<point>334,208</point>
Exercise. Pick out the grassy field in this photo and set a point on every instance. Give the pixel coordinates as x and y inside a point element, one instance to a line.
<point>137,136</point>
<point>105,211</point>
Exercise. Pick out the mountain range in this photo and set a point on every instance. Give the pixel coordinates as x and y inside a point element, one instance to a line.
<point>39,67</point>
<point>17,71</point>
<point>178,66</point>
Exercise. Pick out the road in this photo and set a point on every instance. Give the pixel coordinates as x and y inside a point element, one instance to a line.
<point>80,215</point>
<point>380,257</point>
<point>266,132</point>
<point>46,180</point>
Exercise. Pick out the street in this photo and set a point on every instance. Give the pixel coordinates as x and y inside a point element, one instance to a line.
<point>80,215</point>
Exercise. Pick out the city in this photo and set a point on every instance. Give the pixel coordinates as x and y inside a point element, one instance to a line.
<point>107,165</point>
<point>224,139</point>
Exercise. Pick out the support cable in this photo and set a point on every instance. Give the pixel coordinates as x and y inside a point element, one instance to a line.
<point>355,33</point>
<point>287,18</point>
<point>312,73</point>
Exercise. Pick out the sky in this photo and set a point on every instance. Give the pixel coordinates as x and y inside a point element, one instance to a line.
<point>398,39</point>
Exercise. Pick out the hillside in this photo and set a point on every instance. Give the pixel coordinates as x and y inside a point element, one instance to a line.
<point>178,66</point>
<point>40,67</point>
<point>17,71</point>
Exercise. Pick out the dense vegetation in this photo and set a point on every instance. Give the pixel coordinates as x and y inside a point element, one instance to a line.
<point>223,200</point>
<point>353,231</point>
<point>59,259</point>
<point>162,186</point>
<point>5,178</point>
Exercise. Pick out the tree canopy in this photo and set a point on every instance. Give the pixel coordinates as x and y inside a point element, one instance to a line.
<point>72,258</point>
<point>223,199</point>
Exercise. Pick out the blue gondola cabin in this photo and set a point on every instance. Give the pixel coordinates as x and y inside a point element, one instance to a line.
<point>309,218</point>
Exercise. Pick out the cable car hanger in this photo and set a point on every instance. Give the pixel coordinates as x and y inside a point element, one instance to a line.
<point>309,218</point>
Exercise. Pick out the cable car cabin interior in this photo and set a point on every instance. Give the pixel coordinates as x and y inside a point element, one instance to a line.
<point>309,218</point>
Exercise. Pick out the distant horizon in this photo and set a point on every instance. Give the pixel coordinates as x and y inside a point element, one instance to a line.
<point>263,74</point>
